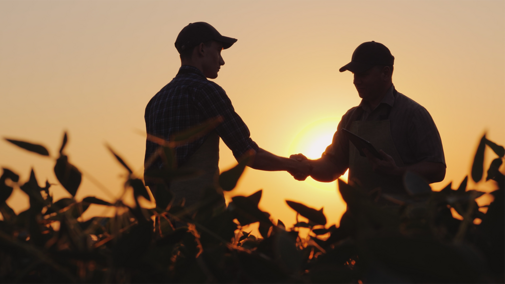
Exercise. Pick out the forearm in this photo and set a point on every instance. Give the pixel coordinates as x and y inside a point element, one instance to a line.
<point>266,161</point>
<point>324,170</point>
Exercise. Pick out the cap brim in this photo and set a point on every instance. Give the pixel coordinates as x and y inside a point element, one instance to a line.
<point>227,41</point>
<point>355,67</point>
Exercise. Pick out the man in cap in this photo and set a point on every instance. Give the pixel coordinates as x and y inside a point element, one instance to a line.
<point>189,100</point>
<point>401,130</point>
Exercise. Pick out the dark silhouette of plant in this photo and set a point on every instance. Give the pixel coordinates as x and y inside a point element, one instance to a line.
<point>416,241</point>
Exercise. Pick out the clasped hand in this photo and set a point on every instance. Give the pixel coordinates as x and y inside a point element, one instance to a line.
<point>303,167</point>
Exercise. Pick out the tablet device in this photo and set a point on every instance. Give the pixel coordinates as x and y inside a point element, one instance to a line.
<point>361,143</point>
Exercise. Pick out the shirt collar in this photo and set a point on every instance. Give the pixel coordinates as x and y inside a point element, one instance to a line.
<point>389,99</point>
<point>188,69</point>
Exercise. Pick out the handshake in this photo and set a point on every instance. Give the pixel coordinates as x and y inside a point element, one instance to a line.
<point>302,168</point>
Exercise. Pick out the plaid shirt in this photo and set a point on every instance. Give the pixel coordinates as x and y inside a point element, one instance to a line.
<point>188,100</point>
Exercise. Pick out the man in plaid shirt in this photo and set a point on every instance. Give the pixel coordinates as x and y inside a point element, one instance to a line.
<point>190,99</point>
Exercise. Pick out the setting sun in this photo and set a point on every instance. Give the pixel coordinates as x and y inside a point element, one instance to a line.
<point>312,141</point>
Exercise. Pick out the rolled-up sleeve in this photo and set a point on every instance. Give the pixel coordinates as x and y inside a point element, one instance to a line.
<point>213,102</point>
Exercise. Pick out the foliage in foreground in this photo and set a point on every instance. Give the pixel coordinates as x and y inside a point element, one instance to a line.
<point>418,241</point>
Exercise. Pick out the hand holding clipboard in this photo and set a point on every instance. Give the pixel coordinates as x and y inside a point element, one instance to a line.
<point>361,144</point>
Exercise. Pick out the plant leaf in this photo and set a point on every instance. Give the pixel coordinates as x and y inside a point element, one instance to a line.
<point>247,211</point>
<point>462,186</point>
<point>68,175</point>
<point>499,150</point>
<point>320,231</point>
<point>228,179</point>
<point>195,132</point>
<point>287,253</point>
<point>348,193</point>
<point>36,148</point>
<point>281,225</point>
<point>316,216</point>
<point>448,188</point>
<point>478,161</point>
<point>492,172</point>
<point>94,200</point>
<point>302,225</point>
<point>64,142</point>
<point>256,197</point>
<point>5,190</point>
<point>138,188</point>
<point>120,160</point>
<point>415,184</point>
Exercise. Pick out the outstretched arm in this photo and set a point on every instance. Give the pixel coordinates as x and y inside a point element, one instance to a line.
<point>266,161</point>
<point>321,169</point>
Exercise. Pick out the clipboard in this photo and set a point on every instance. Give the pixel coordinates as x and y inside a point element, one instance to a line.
<point>361,143</point>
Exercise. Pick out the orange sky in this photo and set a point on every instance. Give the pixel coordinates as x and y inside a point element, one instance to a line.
<point>90,67</point>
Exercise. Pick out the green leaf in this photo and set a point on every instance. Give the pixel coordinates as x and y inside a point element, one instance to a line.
<point>256,197</point>
<point>478,161</point>
<point>32,189</point>
<point>286,251</point>
<point>499,150</point>
<point>493,170</point>
<point>320,231</point>
<point>36,148</point>
<point>349,194</point>
<point>247,211</point>
<point>219,228</point>
<point>228,179</point>
<point>120,160</point>
<point>162,195</point>
<point>195,132</point>
<point>5,190</point>
<point>260,269</point>
<point>302,225</point>
<point>60,205</point>
<point>423,259</point>
<point>138,188</point>
<point>78,208</point>
<point>64,142</point>
<point>313,215</point>
<point>415,184</point>
<point>130,247</point>
<point>447,188</point>
<point>462,186</point>
<point>67,174</point>
<point>94,200</point>
<point>173,238</point>
<point>281,225</point>
<point>7,213</point>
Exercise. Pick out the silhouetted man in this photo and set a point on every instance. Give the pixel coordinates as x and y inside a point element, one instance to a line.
<point>400,128</point>
<point>190,99</point>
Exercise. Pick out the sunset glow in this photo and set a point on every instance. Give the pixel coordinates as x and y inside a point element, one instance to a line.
<point>90,67</point>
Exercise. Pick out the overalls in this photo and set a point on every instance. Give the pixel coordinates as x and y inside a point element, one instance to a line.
<point>377,132</point>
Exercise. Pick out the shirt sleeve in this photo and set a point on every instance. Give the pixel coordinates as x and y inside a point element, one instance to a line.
<point>338,151</point>
<point>424,138</point>
<point>213,102</point>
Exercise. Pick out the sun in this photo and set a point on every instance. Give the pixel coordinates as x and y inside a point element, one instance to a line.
<point>312,141</point>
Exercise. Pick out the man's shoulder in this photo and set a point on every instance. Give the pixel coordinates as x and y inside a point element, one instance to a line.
<point>349,113</point>
<point>192,84</point>
<point>406,103</point>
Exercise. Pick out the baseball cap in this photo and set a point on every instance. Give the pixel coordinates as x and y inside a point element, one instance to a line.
<point>198,32</point>
<point>368,55</point>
